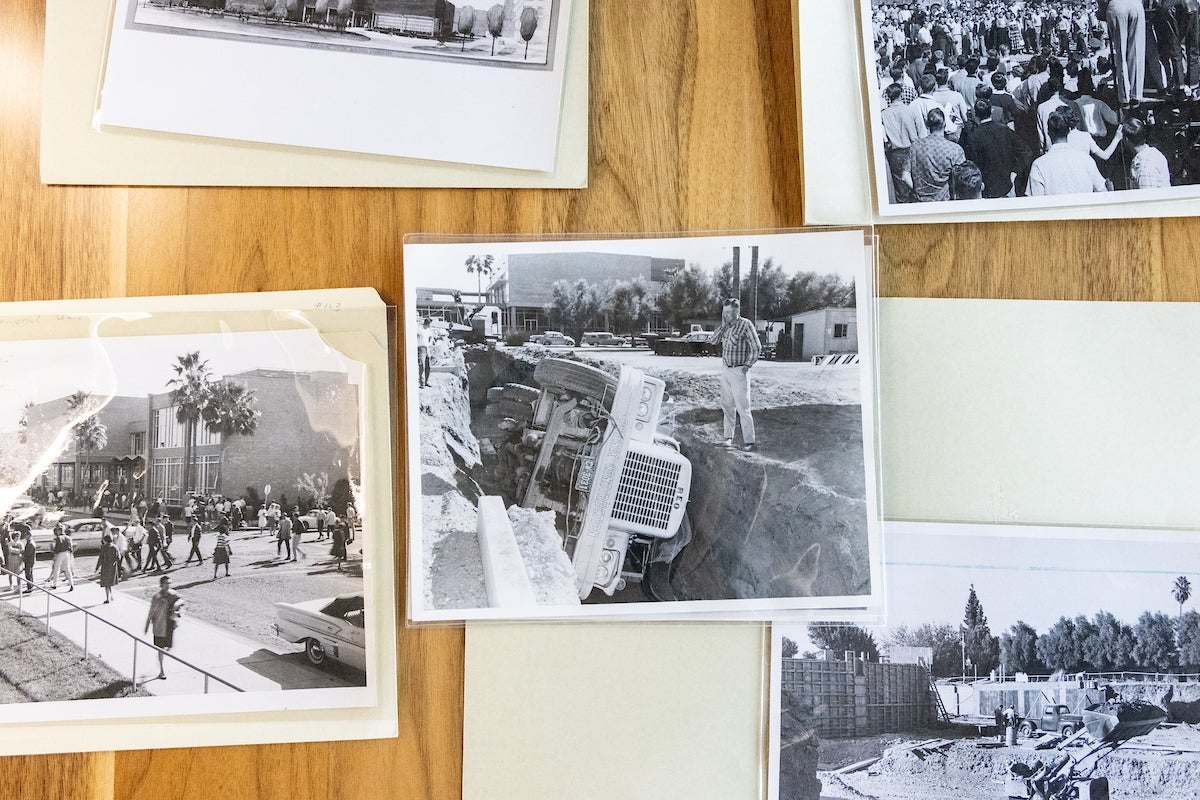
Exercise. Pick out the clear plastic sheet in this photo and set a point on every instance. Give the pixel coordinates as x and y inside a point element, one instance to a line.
<point>138,431</point>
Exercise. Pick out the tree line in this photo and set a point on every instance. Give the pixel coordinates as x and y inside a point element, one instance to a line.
<point>1157,642</point>
<point>690,293</point>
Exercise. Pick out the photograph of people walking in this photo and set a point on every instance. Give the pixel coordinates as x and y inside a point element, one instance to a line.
<point>653,425</point>
<point>132,462</point>
<point>1006,104</point>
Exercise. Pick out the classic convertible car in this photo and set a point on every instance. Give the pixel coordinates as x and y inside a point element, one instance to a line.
<point>331,628</point>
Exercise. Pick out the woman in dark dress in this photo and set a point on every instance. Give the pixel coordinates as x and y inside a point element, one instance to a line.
<point>338,550</point>
<point>106,565</point>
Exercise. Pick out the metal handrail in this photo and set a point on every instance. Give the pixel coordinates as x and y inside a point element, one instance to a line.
<point>88,615</point>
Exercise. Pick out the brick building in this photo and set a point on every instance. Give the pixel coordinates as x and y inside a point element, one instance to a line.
<point>309,423</point>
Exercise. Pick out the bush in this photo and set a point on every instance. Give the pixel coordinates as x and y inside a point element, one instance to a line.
<point>517,339</point>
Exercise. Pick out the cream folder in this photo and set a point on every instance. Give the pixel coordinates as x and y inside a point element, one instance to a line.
<point>73,152</point>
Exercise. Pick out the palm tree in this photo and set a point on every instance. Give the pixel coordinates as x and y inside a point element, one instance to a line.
<point>90,434</point>
<point>232,410</point>
<point>480,267</point>
<point>190,395</point>
<point>1182,590</point>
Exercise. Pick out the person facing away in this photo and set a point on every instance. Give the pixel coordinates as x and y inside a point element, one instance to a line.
<point>61,565</point>
<point>931,159</point>
<point>740,350</point>
<point>1064,169</point>
<point>1149,169</point>
<point>966,182</point>
<point>996,150</point>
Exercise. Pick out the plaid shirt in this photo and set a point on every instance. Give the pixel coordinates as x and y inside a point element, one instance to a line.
<point>739,343</point>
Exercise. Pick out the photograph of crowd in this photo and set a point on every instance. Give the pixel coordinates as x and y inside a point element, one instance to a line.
<point>1033,102</point>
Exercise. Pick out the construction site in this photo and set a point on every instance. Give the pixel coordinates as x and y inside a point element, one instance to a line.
<point>789,520</point>
<point>856,729</point>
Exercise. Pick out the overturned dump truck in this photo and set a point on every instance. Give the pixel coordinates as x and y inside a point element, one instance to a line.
<point>586,445</point>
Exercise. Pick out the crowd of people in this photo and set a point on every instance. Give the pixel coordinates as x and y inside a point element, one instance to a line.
<point>988,99</point>
<point>144,544</point>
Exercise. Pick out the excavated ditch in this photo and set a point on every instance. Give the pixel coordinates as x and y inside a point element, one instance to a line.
<point>786,521</point>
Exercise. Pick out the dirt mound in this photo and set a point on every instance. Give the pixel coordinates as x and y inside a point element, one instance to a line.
<point>549,569</point>
<point>787,521</point>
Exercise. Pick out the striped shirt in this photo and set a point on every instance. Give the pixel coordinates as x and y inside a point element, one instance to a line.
<point>222,539</point>
<point>739,343</point>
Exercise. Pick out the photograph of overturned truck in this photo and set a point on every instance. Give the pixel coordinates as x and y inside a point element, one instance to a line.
<point>557,476</point>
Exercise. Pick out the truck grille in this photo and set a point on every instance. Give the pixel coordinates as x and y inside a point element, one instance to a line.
<point>648,491</point>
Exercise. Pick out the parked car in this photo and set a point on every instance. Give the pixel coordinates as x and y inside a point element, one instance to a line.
<point>552,339</point>
<point>25,510</point>
<point>602,339</point>
<point>331,628</point>
<point>86,534</point>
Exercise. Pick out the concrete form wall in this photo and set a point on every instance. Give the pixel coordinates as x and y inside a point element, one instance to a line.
<point>860,698</point>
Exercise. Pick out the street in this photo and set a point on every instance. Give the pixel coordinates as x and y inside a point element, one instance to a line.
<point>242,603</point>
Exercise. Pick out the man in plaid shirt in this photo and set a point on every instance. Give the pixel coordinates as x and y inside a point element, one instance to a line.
<point>740,349</point>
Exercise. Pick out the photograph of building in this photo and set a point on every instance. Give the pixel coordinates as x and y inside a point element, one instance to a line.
<point>307,424</point>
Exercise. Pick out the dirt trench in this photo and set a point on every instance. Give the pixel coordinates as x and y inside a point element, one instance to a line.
<point>786,521</point>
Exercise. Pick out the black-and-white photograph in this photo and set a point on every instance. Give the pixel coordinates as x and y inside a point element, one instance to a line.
<point>509,32</point>
<point>184,520</point>
<point>640,426</point>
<point>1006,104</point>
<point>1015,662</point>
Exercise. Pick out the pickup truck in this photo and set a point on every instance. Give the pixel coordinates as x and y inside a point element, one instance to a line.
<point>586,445</point>
<point>1054,719</point>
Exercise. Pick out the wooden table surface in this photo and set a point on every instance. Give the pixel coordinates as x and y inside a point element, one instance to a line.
<point>693,125</point>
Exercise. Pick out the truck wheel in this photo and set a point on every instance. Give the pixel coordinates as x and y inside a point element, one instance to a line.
<point>518,392</point>
<point>1026,729</point>
<point>522,412</point>
<point>1067,730</point>
<point>580,378</point>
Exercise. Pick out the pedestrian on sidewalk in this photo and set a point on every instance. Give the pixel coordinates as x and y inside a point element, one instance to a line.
<point>338,550</point>
<point>163,616</point>
<point>165,529</point>
<point>28,557</point>
<point>262,519</point>
<point>222,551</point>
<point>62,548</point>
<point>319,513</point>
<point>13,550</point>
<point>194,537</point>
<point>297,534</point>
<point>153,546</point>
<point>137,539</point>
<point>108,565</point>
<point>121,543</point>
<point>284,537</point>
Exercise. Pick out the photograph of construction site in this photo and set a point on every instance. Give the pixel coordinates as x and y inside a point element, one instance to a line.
<point>508,32</point>
<point>183,522</point>
<point>641,426</point>
<point>1015,662</point>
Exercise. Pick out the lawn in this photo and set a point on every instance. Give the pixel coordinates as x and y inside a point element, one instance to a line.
<point>37,667</point>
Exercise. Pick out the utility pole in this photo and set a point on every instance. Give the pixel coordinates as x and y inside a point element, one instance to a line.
<point>737,273</point>
<point>754,283</point>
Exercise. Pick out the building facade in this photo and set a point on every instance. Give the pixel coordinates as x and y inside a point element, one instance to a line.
<point>826,331</point>
<point>308,426</point>
<point>527,287</point>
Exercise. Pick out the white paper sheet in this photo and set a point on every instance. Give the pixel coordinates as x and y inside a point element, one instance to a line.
<point>249,89</point>
<point>838,188</point>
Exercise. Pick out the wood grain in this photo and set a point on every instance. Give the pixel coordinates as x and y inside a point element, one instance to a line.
<point>693,128</point>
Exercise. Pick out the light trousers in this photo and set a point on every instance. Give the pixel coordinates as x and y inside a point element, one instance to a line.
<point>735,402</point>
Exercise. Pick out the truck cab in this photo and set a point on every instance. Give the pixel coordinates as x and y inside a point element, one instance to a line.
<point>1054,719</point>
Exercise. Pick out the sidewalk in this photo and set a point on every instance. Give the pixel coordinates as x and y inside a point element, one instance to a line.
<point>245,664</point>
